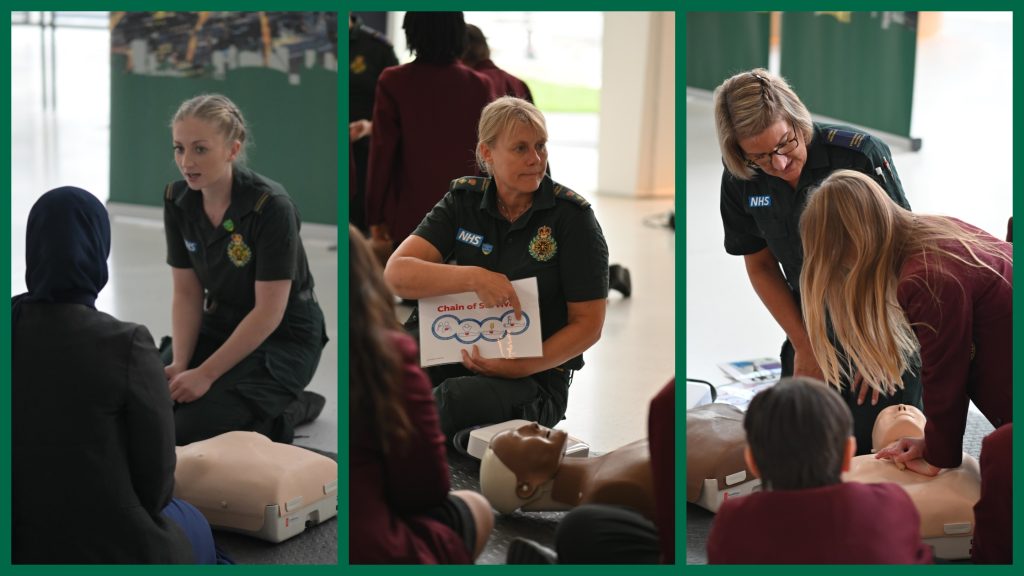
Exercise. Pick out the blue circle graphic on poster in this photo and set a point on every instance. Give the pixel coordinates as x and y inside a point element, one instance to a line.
<point>444,327</point>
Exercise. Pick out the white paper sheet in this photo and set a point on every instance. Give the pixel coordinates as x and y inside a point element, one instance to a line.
<point>452,323</point>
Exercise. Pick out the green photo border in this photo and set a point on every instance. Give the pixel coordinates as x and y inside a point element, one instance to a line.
<point>680,7</point>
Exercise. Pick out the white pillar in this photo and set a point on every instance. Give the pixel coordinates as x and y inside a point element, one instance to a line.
<point>636,150</point>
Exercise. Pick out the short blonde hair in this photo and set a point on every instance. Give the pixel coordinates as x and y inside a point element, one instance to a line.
<point>222,113</point>
<point>498,117</point>
<point>748,104</point>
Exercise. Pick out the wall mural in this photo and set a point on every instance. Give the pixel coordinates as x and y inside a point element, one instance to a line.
<point>208,44</point>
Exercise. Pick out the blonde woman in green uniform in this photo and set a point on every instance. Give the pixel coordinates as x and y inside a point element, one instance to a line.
<point>247,329</point>
<point>520,224</point>
<point>774,155</point>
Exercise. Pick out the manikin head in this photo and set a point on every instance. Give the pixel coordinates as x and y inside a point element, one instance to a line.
<point>895,422</point>
<point>518,463</point>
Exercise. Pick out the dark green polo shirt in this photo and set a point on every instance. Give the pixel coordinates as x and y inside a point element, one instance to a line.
<point>765,211</point>
<point>558,240</point>
<point>258,239</point>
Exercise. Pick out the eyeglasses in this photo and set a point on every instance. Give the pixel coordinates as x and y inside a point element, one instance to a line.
<point>787,147</point>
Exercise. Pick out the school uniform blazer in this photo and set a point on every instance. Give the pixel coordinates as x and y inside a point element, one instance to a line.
<point>505,83</point>
<point>962,316</point>
<point>425,120</point>
<point>844,523</point>
<point>661,430</point>
<point>92,463</point>
<point>993,514</point>
<point>392,495</point>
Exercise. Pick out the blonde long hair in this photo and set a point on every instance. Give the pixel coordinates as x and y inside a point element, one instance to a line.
<point>855,241</point>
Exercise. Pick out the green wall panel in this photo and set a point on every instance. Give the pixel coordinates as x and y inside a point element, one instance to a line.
<point>293,127</point>
<point>857,67</point>
<point>720,44</point>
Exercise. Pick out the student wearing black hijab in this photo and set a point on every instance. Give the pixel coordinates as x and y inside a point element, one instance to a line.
<point>92,432</point>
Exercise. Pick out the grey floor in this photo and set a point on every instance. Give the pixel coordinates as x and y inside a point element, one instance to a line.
<point>962,93</point>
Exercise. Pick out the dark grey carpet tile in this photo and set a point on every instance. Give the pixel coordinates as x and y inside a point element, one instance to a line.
<point>538,526</point>
<point>317,545</point>
<point>977,428</point>
<point>698,524</point>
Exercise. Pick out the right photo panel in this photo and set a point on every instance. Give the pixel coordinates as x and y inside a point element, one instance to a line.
<point>849,265</point>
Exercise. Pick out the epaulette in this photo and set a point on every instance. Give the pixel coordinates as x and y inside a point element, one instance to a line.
<point>566,194</point>
<point>172,192</point>
<point>261,202</point>
<point>846,138</point>
<point>470,183</point>
<point>375,34</point>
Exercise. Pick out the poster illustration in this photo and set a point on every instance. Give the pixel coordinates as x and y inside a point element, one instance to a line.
<point>456,322</point>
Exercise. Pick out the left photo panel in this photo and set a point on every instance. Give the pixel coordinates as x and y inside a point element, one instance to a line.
<point>174,284</point>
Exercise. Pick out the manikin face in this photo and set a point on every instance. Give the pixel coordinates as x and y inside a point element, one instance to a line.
<point>532,452</point>
<point>895,422</point>
<point>518,159</point>
<point>201,153</point>
<point>786,166</point>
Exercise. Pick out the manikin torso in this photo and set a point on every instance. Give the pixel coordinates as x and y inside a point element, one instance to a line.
<point>715,440</point>
<point>233,477</point>
<point>946,501</point>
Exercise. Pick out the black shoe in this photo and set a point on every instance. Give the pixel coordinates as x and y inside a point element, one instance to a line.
<point>618,279</point>
<point>312,404</point>
<point>460,440</point>
<point>525,551</point>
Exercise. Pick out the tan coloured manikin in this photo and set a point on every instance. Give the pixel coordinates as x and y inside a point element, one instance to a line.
<point>715,467</point>
<point>945,502</point>
<point>243,482</point>
<point>524,468</point>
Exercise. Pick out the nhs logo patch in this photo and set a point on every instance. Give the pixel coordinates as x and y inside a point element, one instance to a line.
<point>191,246</point>
<point>471,238</point>
<point>763,201</point>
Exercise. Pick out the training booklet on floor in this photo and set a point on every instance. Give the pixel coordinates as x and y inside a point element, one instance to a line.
<point>748,378</point>
<point>750,371</point>
<point>455,322</point>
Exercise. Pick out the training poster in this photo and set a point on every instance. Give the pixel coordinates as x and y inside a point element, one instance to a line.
<point>456,322</point>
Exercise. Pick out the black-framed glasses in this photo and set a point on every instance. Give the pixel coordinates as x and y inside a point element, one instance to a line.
<point>787,147</point>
